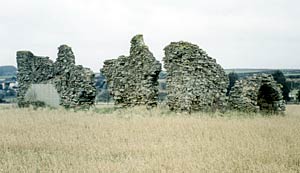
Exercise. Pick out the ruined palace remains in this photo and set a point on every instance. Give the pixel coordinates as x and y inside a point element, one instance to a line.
<point>259,93</point>
<point>74,84</point>
<point>133,79</point>
<point>195,82</point>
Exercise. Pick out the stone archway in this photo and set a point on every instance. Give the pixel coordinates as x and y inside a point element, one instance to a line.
<point>259,93</point>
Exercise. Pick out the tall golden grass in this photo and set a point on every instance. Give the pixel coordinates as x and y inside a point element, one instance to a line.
<point>139,140</point>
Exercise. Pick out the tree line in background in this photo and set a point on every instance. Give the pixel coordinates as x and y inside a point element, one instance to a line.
<point>280,78</point>
<point>7,95</point>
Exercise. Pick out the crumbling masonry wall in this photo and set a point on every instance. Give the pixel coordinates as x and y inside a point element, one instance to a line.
<point>195,82</point>
<point>133,80</point>
<point>258,93</point>
<point>75,84</point>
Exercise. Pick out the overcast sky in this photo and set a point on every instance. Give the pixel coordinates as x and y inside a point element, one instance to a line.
<point>238,33</point>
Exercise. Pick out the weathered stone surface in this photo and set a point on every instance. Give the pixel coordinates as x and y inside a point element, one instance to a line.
<point>133,79</point>
<point>65,61</point>
<point>31,70</point>
<point>195,82</point>
<point>75,84</point>
<point>257,93</point>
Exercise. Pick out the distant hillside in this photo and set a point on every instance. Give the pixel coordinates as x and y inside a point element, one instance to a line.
<point>8,71</point>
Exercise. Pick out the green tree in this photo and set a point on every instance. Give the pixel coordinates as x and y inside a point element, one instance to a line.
<point>232,78</point>
<point>298,96</point>
<point>280,78</point>
<point>1,96</point>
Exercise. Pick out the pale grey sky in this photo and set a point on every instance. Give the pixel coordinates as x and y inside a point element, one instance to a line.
<point>238,33</point>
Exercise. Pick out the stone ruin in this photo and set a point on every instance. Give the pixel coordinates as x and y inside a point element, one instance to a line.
<point>133,80</point>
<point>195,82</point>
<point>259,93</point>
<point>74,83</point>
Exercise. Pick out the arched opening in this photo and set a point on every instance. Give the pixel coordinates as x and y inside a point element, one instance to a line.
<point>267,97</point>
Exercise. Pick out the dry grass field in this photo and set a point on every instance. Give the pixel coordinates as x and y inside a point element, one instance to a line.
<point>138,140</point>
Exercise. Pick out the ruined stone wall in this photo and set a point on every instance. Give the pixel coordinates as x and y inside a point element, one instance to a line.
<point>75,84</point>
<point>76,87</point>
<point>247,95</point>
<point>195,82</point>
<point>65,61</point>
<point>31,70</point>
<point>133,79</point>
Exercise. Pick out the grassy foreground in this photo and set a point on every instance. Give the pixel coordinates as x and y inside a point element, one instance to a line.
<point>137,140</point>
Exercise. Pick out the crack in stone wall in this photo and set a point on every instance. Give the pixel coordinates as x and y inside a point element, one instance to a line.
<point>195,82</point>
<point>245,95</point>
<point>133,80</point>
<point>74,83</point>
